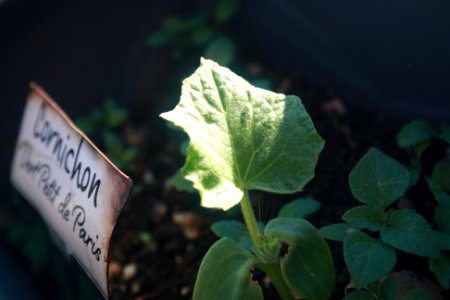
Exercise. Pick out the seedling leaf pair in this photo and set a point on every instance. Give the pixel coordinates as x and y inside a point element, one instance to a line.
<point>308,269</point>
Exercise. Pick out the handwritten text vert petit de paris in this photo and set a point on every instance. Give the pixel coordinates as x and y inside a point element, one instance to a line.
<point>68,158</point>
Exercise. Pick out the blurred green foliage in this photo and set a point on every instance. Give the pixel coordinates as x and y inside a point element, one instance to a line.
<point>108,116</point>
<point>107,121</point>
<point>204,30</point>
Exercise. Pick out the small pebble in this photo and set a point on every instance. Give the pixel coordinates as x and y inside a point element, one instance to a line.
<point>185,290</point>
<point>255,69</point>
<point>189,224</point>
<point>114,269</point>
<point>149,178</point>
<point>135,287</point>
<point>267,281</point>
<point>190,247</point>
<point>129,271</point>
<point>178,259</point>
<point>160,209</point>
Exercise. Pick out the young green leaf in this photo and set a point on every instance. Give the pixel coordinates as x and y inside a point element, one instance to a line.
<point>388,289</point>
<point>230,229</point>
<point>308,266</point>
<point>299,208</point>
<point>145,237</point>
<point>367,259</point>
<point>414,175</point>
<point>410,232</point>
<point>378,180</point>
<point>365,217</point>
<point>440,266</point>
<point>419,294</point>
<point>234,230</point>
<point>433,186</point>
<point>225,273</point>
<point>336,232</point>
<point>242,137</point>
<point>442,212</point>
<point>414,133</point>
<point>441,175</point>
<point>360,295</point>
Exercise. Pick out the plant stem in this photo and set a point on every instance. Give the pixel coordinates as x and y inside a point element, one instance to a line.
<point>271,270</point>
<point>250,220</point>
<point>274,272</point>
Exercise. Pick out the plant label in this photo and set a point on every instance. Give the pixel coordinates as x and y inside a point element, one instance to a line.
<point>74,186</point>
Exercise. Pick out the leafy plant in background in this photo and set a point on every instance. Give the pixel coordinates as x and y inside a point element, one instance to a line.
<point>387,289</point>
<point>373,231</point>
<point>203,30</point>
<point>416,137</point>
<point>243,138</point>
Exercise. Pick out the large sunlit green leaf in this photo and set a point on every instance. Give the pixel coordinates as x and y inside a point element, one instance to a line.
<point>378,180</point>
<point>308,266</point>
<point>367,259</point>
<point>225,273</point>
<point>242,137</point>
